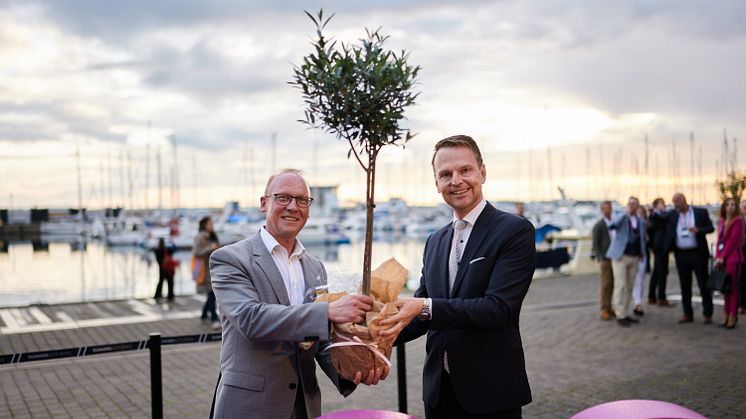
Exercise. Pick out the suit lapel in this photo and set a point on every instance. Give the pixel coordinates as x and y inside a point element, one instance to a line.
<point>478,232</point>
<point>443,252</point>
<point>311,276</point>
<point>263,258</point>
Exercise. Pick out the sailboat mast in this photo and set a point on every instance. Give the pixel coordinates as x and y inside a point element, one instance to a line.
<point>587,172</point>
<point>80,184</point>
<point>550,180</point>
<point>160,184</point>
<point>175,198</point>
<point>122,194</point>
<point>701,180</point>
<point>147,168</point>
<point>129,180</point>
<point>252,186</point>
<point>194,180</point>
<point>691,161</point>
<point>645,180</point>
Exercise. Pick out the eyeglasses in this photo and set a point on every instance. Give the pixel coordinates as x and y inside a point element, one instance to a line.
<point>284,200</point>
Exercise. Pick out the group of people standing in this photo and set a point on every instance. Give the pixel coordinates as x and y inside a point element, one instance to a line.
<point>623,246</point>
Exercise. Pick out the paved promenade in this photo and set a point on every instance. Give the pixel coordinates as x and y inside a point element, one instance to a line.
<point>574,360</point>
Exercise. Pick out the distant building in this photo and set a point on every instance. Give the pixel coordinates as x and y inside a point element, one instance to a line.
<point>325,203</point>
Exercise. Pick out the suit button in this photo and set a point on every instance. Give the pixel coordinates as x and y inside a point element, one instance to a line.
<point>292,386</point>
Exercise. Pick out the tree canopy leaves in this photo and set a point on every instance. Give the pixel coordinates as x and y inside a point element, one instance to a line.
<point>356,91</point>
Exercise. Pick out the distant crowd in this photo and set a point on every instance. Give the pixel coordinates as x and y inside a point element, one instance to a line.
<point>641,240</point>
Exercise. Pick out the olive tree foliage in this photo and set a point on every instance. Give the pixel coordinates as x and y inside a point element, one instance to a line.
<point>358,92</point>
<point>732,186</point>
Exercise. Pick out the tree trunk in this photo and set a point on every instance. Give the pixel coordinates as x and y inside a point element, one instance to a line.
<point>369,206</point>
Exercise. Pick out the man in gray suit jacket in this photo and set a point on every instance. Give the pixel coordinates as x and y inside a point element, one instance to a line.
<point>601,239</point>
<point>261,284</point>
<point>625,252</point>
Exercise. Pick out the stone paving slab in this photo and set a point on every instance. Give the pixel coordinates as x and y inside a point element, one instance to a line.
<point>574,361</point>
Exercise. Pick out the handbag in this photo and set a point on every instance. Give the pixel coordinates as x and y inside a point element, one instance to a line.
<point>198,270</point>
<point>169,264</point>
<point>719,281</point>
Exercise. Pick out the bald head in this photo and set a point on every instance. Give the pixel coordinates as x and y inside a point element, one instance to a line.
<point>282,174</point>
<point>679,202</point>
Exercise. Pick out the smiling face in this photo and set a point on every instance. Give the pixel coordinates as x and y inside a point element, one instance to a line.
<point>285,222</point>
<point>459,178</point>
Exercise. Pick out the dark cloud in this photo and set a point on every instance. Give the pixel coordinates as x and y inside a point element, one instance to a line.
<point>203,72</point>
<point>220,139</point>
<point>116,21</point>
<point>676,57</point>
<point>44,121</point>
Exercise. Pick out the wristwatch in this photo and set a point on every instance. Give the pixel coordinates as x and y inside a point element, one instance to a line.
<point>426,313</point>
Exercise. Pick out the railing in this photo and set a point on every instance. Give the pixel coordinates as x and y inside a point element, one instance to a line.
<point>153,344</point>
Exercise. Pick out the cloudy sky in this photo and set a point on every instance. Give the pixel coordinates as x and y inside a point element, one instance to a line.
<point>557,93</point>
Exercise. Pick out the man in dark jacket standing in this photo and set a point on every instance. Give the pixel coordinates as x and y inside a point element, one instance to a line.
<point>658,225</point>
<point>601,239</point>
<point>476,273</point>
<point>686,236</point>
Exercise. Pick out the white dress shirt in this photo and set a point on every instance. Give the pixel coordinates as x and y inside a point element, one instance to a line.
<point>288,265</point>
<point>685,239</point>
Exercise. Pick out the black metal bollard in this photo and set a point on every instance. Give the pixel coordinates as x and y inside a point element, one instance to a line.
<point>401,377</point>
<point>156,385</point>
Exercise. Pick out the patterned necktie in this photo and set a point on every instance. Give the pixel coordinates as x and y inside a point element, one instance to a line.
<point>453,259</point>
<point>455,256</point>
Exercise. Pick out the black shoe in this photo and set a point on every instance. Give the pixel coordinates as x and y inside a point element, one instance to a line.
<point>623,322</point>
<point>631,319</point>
<point>665,303</point>
<point>638,312</point>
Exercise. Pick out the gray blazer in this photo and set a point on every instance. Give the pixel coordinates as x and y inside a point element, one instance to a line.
<point>601,240</point>
<point>616,249</point>
<point>260,362</point>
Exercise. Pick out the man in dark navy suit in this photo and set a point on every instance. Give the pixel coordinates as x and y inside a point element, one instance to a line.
<point>476,273</point>
<point>687,232</point>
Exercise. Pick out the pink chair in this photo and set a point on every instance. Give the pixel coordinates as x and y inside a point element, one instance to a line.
<point>366,414</point>
<point>647,409</point>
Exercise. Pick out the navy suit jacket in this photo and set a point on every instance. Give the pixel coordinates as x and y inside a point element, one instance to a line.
<point>478,322</point>
<point>703,223</point>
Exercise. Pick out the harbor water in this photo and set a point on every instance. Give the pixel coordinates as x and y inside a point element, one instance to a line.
<point>53,272</point>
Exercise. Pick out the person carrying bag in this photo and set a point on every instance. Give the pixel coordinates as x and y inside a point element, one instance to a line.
<point>728,260</point>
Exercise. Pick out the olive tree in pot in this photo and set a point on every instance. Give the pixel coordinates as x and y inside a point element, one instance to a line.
<point>357,92</point>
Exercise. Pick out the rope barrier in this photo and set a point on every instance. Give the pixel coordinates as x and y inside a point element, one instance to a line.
<point>81,351</point>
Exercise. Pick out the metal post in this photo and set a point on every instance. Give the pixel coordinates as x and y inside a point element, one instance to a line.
<point>156,389</point>
<point>401,377</point>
